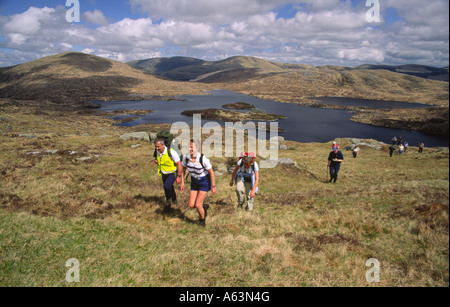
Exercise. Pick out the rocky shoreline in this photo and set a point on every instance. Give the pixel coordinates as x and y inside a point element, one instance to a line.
<point>433,120</point>
<point>233,116</point>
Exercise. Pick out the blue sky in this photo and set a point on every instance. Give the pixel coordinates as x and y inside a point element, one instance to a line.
<point>315,32</point>
<point>116,10</point>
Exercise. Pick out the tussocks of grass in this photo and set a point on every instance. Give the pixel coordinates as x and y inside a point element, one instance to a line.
<point>107,213</point>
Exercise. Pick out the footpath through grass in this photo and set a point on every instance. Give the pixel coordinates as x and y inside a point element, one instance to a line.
<point>106,212</point>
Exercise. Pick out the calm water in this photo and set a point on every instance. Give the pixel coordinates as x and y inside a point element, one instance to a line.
<point>303,124</point>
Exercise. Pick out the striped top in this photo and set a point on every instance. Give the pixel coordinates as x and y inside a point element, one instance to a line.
<point>194,168</point>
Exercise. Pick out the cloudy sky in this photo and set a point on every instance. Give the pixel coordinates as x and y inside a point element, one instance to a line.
<point>317,32</point>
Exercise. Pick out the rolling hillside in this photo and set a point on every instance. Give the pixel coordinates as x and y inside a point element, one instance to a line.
<point>76,77</point>
<point>190,69</point>
<point>298,83</point>
<point>422,71</point>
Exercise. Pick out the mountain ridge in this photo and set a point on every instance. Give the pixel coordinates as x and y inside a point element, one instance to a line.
<point>188,68</point>
<point>75,77</point>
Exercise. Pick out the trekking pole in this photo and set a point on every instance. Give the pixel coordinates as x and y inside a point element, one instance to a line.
<point>328,173</point>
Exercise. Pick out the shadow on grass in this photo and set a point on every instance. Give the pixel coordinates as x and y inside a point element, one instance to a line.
<point>171,213</point>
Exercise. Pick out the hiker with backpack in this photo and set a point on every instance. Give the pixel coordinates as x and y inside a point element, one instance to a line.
<point>334,163</point>
<point>202,180</point>
<point>246,177</point>
<point>169,165</point>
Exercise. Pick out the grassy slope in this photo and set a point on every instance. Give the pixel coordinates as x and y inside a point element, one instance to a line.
<point>106,212</point>
<point>300,85</point>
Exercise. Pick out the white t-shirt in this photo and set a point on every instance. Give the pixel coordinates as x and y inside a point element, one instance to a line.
<point>248,170</point>
<point>194,168</point>
<point>173,153</point>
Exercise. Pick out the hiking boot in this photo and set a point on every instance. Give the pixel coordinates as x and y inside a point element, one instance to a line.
<point>202,223</point>
<point>167,208</point>
<point>250,204</point>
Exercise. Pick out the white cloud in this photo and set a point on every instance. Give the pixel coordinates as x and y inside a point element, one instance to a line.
<point>320,32</point>
<point>361,55</point>
<point>28,22</point>
<point>210,11</point>
<point>96,17</point>
<point>418,12</point>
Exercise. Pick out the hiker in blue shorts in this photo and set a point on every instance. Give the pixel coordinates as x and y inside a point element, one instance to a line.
<point>202,180</point>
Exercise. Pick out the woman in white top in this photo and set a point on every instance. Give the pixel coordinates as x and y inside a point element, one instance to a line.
<point>202,180</point>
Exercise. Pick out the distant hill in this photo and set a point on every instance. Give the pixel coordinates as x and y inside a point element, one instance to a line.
<point>302,85</point>
<point>163,66</point>
<point>427,72</point>
<point>191,69</point>
<point>234,68</point>
<point>75,77</point>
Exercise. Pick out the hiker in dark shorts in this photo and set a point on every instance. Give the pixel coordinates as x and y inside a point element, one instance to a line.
<point>202,180</point>
<point>334,163</point>
<point>169,165</point>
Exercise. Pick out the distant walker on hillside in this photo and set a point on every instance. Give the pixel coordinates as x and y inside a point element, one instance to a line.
<point>334,163</point>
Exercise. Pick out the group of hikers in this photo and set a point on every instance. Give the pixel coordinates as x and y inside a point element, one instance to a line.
<point>245,175</point>
<point>402,146</point>
<point>173,169</point>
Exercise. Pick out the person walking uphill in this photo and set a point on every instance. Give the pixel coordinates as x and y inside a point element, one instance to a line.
<point>202,180</point>
<point>246,176</point>
<point>334,163</point>
<point>169,165</point>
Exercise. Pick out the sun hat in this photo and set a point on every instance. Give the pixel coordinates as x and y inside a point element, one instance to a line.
<point>248,154</point>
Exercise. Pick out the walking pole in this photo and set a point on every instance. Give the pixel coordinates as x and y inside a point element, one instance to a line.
<point>328,173</point>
